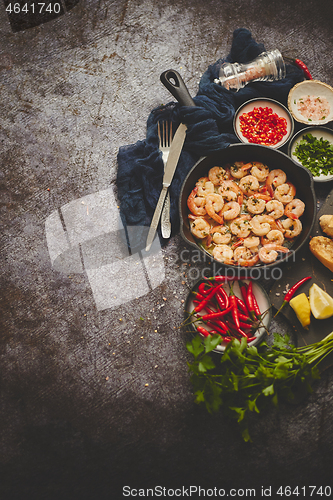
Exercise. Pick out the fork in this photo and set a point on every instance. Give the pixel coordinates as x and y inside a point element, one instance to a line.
<point>165,138</point>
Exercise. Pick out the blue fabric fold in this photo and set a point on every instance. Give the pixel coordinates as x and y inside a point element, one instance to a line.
<point>209,129</point>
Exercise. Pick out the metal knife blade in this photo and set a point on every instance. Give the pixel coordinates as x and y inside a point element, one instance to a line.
<point>175,150</point>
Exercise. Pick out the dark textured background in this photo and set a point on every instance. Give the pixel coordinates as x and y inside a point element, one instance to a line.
<point>76,417</point>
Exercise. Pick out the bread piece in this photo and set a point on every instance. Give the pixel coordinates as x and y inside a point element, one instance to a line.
<point>326,224</point>
<point>322,248</point>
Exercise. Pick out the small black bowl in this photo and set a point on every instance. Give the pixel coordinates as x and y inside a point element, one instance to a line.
<point>297,174</point>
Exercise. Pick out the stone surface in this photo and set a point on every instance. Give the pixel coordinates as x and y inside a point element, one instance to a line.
<point>95,393</point>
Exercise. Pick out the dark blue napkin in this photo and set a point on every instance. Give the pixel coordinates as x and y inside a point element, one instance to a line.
<point>209,128</point>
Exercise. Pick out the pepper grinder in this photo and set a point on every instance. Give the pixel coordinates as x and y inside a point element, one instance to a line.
<point>268,66</point>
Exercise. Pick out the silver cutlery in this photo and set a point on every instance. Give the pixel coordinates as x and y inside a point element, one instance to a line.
<point>174,83</point>
<point>175,150</point>
<point>165,137</point>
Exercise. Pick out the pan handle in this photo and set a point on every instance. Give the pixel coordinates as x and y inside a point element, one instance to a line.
<point>175,84</point>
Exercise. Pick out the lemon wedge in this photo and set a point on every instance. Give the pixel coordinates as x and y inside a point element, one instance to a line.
<point>321,303</point>
<point>301,306</point>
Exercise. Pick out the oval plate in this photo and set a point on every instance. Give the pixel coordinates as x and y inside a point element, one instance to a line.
<point>263,303</point>
<point>318,132</point>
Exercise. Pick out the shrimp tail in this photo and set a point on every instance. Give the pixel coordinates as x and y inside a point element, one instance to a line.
<point>262,196</point>
<point>240,198</point>
<point>279,226</point>
<point>249,262</point>
<point>247,166</point>
<point>237,243</point>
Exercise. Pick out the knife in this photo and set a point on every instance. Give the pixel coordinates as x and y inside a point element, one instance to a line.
<point>174,83</point>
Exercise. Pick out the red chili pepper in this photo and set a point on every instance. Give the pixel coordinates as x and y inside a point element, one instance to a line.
<point>257,311</point>
<point>217,322</point>
<point>222,331</point>
<point>216,315</point>
<point>249,301</point>
<point>206,300</point>
<point>203,290</point>
<point>203,331</point>
<point>219,278</point>
<point>233,303</point>
<point>245,326</point>
<point>220,301</point>
<point>223,294</point>
<point>243,289</point>
<point>292,291</point>
<point>237,332</point>
<point>300,64</point>
<point>241,305</point>
<point>303,67</point>
<point>245,318</point>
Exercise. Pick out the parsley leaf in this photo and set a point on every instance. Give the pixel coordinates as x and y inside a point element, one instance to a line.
<point>315,154</point>
<point>248,379</point>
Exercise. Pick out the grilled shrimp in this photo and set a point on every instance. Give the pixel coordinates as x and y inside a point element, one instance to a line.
<point>245,256</point>
<point>273,236</point>
<point>237,170</point>
<point>214,204</point>
<point>217,175</point>
<point>285,192</point>
<point>230,191</point>
<point>255,205</point>
<point>251,242</point>
<point>230,210</point>
<point>261,224</point>
<point>223,253</point>
<point>294,209</point>
<point>241,226</point>
<point>275,208</point>
<point>260,171</point>
<point>249,185</point>
<point>200,228</point>
<point>205,186</point>
<point>220,235</point>
<point>274,179</point>
<point>269,253</point>
<point>292,227</point>
<point>196,203</point>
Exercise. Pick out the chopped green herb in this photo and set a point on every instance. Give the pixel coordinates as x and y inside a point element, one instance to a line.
<point>315,154</point>
<point>250,378</point>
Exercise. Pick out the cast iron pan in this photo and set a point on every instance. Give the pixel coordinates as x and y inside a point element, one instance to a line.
<point>298,175</point>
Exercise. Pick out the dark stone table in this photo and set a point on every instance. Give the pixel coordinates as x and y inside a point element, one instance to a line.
<point>95,393</point>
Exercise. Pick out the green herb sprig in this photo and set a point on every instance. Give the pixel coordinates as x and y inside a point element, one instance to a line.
<point>251,378</point>
<point>315,154</point>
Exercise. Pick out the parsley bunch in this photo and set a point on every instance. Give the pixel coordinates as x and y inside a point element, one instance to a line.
<point>315,154</point>
<point>250,378</point>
